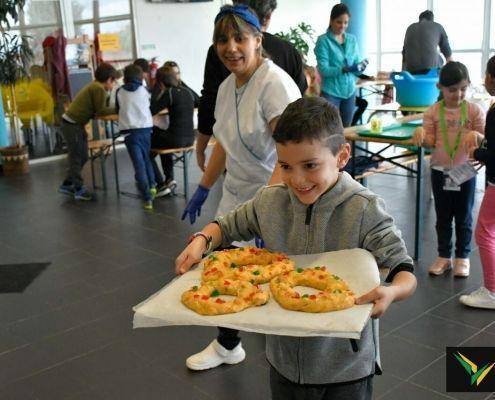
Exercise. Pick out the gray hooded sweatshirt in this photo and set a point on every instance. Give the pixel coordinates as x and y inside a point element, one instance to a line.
<point>346,217</point>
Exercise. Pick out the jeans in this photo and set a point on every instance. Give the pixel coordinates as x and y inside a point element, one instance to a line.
<point>284,389</point>
<point>485,237</point>
<point>346,107</point>
<point>451,206</point>
<point>77,147</point>
<point>138,144</point>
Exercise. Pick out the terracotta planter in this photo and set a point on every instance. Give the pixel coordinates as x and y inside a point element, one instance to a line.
<point>15,160</point>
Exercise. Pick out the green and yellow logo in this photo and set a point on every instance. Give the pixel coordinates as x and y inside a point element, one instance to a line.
<point>477,375</point>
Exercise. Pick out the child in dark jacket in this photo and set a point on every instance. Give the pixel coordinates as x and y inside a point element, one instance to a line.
<point>484,297</point>
<point>135,121</point>
<point>179,102</point>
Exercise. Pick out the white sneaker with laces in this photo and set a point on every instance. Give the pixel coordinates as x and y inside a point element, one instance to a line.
<point>214,355</point>
<point>480,298</point>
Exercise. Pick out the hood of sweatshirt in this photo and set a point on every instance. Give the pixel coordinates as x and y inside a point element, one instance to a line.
<point>133,85</point>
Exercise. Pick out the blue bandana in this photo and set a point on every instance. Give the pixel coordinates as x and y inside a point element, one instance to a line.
<point>243,12</point>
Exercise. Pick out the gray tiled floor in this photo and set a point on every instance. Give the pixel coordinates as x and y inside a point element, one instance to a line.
<point>69,335</point>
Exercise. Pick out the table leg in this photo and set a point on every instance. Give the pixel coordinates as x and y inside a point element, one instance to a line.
<point>186,175</point>
<point>353,158</point>
<point>115,167</point>
<point>418,247</point>
<point>102,165</point>
<point>91,156</point>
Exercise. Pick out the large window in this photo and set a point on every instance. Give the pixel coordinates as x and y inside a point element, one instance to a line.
<point>38,20</point>
<point>106,16</point>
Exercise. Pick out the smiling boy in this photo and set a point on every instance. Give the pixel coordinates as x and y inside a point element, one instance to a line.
<point>317,209</point>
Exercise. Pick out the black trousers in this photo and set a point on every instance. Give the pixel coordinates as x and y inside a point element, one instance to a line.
<point>228,338</point>
<point>284,389</point>
<point>161,139</point>
<point>450,206</point>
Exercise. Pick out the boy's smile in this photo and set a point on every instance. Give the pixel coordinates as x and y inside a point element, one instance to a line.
<point>309,168</point>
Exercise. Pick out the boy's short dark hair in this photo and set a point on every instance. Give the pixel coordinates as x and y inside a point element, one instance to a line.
<point>133,73</point>
<point>106,71</point>
<point>167,77</point>
<point>311,118</point>
<point>144,64</point>
<point>427,15</point>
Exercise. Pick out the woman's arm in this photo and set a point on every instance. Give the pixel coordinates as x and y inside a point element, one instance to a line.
<point>323,54</point>
<point>215,166</point>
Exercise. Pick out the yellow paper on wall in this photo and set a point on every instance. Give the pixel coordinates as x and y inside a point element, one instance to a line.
<point>109,42</point>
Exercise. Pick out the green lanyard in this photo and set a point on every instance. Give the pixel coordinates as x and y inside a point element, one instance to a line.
<point>443,128</point>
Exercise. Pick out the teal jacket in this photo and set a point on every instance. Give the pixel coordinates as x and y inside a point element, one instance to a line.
<point>330,56</point>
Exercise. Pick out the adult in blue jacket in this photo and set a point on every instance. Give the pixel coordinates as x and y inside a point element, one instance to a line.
<point>339,63</point>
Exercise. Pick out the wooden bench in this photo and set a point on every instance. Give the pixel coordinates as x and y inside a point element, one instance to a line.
<point>180,155</point>
<point>99,149</point>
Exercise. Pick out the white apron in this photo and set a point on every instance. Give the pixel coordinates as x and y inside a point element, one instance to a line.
<point>242,128</point>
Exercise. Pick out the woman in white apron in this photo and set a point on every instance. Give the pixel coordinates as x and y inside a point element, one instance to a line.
<point>249,102</point>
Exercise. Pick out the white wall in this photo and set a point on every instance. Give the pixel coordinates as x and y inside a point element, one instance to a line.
<point>183,31</point>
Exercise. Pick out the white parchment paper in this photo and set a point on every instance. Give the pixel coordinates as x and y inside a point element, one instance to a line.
<point>357,267</point>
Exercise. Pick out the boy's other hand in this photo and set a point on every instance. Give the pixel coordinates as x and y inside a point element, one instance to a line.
<point>191,255</point>
<point>381,296</point>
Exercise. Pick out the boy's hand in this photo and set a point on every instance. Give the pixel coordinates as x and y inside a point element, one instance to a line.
<point>381,296</point>
<point>419,136</point>
<point>191,255</point>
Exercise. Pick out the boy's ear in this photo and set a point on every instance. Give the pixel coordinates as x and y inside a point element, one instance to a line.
<point>343,155</point>
<point>438,86</point>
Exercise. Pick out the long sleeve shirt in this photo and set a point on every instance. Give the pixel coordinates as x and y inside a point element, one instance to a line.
<point>90,102</point>
<point>486,152</point>
<point>475,121</point>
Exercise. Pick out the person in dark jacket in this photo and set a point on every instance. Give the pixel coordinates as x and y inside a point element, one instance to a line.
<point>484,296</point>
<point>179,102</point>
<point>176,69</point>
<point>282,54</point>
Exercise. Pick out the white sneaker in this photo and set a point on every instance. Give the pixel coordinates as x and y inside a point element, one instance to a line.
<point>481,298</point>
<point>214,355</point>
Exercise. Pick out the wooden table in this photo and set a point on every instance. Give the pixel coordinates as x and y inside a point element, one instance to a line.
<point>352,135</point>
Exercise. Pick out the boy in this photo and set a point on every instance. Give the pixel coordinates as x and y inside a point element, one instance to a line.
<point>135,121</point>
<point>317,209</point>
<point>89,103</point>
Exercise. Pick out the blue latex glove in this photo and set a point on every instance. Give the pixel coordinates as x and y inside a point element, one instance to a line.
<point>356,67</point>
<point>259,242</point>
<point>193,208</point>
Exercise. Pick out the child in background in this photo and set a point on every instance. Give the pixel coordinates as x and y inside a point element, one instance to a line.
<point>179,102</point>
<point>447,127</point>
<point>90,102</point>
<point>146,68</point>
<point>176,69</point>
<point>317,209</point>
<point>135,121</point>
<point>484,297</point>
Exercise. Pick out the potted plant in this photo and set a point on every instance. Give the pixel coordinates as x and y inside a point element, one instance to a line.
<point>15,57</point>
<point>300,36</point>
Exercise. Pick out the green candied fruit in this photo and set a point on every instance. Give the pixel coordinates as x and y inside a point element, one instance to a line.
<point>337,291</point>
<point>299,270</point>
<point>317,268</point>
<point>215,293</point>
<point>194,288</point>
<point>233,265</point>
<point>305,296</point>
<point>252,281</point>
<point>336,277</point>
<point>256,272</point>
<point>212,257</point>
<point>241,248</point>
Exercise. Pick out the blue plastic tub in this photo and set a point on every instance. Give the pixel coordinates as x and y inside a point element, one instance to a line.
<point>416,90</point>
